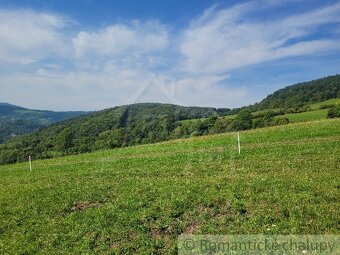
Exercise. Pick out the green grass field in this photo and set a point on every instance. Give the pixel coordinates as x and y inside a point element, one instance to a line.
<point>306,116</point>
<point>333,101</point>
<point>138,200</point>
<point>315,114</point>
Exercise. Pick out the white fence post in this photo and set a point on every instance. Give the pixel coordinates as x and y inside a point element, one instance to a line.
<point>238,143</point>
<point>30,162</point>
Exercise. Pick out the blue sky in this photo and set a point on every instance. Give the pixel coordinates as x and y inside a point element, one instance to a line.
<point>91,55</point>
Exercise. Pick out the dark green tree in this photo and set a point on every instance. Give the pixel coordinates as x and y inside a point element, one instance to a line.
<point>65,140</point>
<point>334,112</point>
<point>243,121</point>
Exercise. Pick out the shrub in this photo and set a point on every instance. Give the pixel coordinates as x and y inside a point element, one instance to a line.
<point>334,112</point>
<point>242,121</point>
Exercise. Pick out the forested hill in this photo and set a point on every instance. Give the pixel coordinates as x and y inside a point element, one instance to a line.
<point>302,94</point>
<point>150,122</point>
<point>16,120</point>
<point>115,127</point>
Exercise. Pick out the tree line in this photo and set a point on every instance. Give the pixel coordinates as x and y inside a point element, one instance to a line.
<point>149,123</point>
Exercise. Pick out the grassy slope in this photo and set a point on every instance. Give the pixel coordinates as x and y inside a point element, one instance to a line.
<point>333,101</point>
<point>306,116</point>
<point>315,114</point>
<point>139,199</point>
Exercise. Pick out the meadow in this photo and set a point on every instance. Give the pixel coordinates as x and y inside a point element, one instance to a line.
<point>325,104</point>
<point>138,200</point>
<point>305,116</point>
<point>318,111</point>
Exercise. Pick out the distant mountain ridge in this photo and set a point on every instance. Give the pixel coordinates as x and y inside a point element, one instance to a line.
<point>16,120</point>
<point>115,127</point>
<point>144,123</point>
<point>18,112</point>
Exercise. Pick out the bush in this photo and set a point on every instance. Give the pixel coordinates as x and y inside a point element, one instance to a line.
<point>305,108</point>
<point>281,121</point>
<point>326,106</point>
<point>334,112</point>
<point>242,121</point>
<point>221,125</point>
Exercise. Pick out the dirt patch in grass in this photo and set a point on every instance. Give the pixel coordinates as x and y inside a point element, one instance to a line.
<point>114,245</point>
<point>156,233</point>
<point>192,227</point>
<point>221,212</point>
<point>204,209</point>
<point>225,212</point>
<point>161,236</point>
<point>83,205</point>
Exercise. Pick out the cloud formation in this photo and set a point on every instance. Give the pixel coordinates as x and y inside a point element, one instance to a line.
<point>50,61</point>
<point>27,36</point>
<point>121,39</point>
<point>222,40</point>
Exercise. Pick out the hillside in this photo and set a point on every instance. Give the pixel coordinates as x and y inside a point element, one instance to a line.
<point>143,123</point>
<point>303,93</point>
<point>16,120</point>
<point>138,200</point>
<point>116,127</point>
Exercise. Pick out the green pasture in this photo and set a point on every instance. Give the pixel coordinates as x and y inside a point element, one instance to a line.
<point>138,200</point>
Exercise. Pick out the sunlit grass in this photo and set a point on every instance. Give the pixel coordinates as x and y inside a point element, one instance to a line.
<point>333,101</point>
<point>306,116</point>
<point>139,199</point>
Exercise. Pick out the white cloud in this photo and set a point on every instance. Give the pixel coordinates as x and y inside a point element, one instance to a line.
<point>79,90</point>
<point>208,91</point>
<point>328,14</point>
<point>76,90</point>
<point>222,40</point>
<point>27,36</point>
<point>118,39</point>
<point>85,70</point>
<point>99,68</point>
